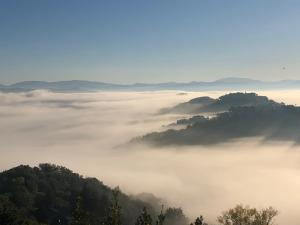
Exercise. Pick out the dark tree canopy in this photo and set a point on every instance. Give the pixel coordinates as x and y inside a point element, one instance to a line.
<point>280,123</point>
<point>54,195</point>
<point>223,103</point>
<point>241,215</point>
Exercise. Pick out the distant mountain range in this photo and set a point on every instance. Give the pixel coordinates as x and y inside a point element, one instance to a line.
<point>231,83</point>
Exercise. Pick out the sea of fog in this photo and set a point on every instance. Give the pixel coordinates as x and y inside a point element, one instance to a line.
<point>87,133</point>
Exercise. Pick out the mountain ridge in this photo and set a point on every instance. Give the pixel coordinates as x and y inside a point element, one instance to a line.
<point>229,83</point>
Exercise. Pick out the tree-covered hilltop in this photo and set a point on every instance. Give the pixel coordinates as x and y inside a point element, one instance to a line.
<point>190,121</point>
<point>223,103</point>
<point>271,122</point>
<point>239,99</point>
<point>193,106</point>
<point>52,195</point>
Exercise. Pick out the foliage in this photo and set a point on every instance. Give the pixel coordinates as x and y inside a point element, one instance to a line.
<point>223,103</point>
<point>53,195</point>
<point>161,217</point>
<point>144,218</point>
<point>280,123</point>
<point>10,215</point>
<point>175,216</point>
<point>248,216</point>
<point>80,216</point>
<point>199,221</point>
<point>113,214</point>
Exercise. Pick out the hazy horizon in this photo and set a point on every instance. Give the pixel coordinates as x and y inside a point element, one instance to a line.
<point>148,82</point>
<point>171,81</point>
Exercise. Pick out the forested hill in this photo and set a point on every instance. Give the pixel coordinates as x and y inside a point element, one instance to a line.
<point>52,195</point>
<point>223,103</point>
<point>278,123</point>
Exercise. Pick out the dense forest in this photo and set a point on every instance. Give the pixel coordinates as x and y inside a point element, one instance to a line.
<point>270,122</point>
<point>54,195</point>
<point>223,103</point>
<point>51,195</point>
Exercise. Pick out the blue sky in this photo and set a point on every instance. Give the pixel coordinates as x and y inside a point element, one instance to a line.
<point>148,40</point>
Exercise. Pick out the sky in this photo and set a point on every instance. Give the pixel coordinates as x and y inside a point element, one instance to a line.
<point>148,41</point>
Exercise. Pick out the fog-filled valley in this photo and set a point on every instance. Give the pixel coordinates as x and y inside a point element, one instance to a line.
<point>89,133</point>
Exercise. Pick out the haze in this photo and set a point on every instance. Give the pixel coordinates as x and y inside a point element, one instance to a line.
<point>86,132</point>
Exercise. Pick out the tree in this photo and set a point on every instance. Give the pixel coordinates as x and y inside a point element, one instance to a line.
<point>161,217</point>
<point>10,215</point>
<point>199,221</point>
<point>175,216</point>
<point>113,216</point>
<point>80,216</point>
<point>51,194</point>
<point>248,216</point>
<point>144,218</point>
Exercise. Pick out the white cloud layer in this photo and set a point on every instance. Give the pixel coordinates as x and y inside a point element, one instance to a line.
<point>83,131</point>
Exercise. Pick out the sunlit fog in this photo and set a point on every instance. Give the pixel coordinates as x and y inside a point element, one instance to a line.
<point>89,132</point>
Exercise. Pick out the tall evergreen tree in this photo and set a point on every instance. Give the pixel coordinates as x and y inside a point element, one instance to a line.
<point>161,217</point>
<point>144,218</point>
<point>113,216</point>
<point>80,216</point>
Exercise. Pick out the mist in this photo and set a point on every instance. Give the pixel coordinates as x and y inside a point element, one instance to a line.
<point>87,133</point>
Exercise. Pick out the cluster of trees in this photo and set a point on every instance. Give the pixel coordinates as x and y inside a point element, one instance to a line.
<point>248,216</point>
<point>239,215</point>
<point>239,99</point>
<point>189,121</point>
<point>193,106</point>
<point>223,103</point>
<point>267,121</point>
<point>54,195</point>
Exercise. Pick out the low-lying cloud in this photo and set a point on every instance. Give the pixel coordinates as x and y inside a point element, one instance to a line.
<point>84,132</point>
